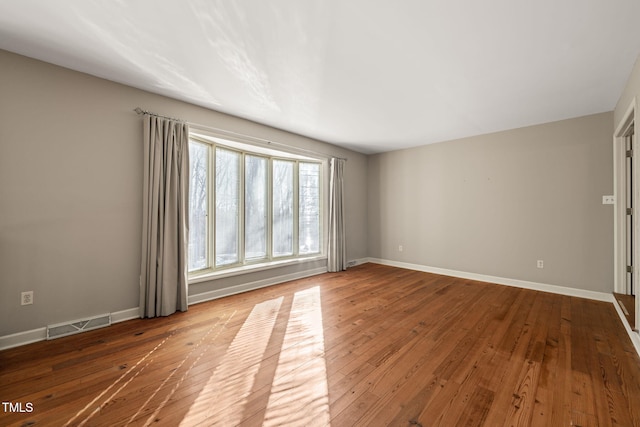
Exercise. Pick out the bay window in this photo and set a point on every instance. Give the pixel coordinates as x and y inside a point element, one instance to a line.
<point>249,206</point>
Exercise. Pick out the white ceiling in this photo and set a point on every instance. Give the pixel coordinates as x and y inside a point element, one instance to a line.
<point>369,75</point>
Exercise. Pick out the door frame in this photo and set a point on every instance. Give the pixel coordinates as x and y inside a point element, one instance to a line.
<point>619,208</point>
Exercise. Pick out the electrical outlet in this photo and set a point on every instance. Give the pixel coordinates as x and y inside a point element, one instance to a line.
<point>608,200</point>
<point>540,263</point>
<point>26,298</point>
<point>400,248</point>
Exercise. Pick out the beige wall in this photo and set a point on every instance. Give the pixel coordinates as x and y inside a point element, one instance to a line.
<point>494,204</point>
<point>70,192</point>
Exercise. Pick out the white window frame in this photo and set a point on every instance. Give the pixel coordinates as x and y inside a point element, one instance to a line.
<point>269,261</point>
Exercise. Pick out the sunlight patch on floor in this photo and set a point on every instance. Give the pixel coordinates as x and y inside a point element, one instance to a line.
<point>222,399</point>
<point>299,392</point>
<point>203,351</point>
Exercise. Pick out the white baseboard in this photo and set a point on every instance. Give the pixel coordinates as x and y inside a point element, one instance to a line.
<point>358,261</point>
<point>40,334</point>
<point>22,338</point>
<point>245,287</point>
<point>562,290</point>
<point>124,315</point>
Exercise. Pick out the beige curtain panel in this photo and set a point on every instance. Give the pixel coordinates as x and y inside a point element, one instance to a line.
<point>336,248</point>
<point>165,221</point>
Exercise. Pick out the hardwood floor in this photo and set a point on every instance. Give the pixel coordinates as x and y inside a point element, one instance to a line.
<point>373,346</point>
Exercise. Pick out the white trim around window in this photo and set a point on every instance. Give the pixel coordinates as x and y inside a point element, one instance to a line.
<point>252,208</point>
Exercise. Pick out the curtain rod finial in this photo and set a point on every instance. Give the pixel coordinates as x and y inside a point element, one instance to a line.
<point>138,110</point>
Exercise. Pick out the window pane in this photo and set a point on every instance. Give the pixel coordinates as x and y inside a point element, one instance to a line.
<point>309,208</point>
<point>255,205</point>
<point>227,206</point>
<point>198,206</point>
<point>282,208</point>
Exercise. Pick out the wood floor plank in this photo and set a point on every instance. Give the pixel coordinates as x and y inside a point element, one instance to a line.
<point>545,397</point>
<point>374,345</point>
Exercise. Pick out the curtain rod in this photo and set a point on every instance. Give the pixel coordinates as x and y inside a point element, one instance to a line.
<point>139,111</point>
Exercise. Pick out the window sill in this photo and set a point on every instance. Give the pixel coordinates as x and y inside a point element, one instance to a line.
<point>235,271</point>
